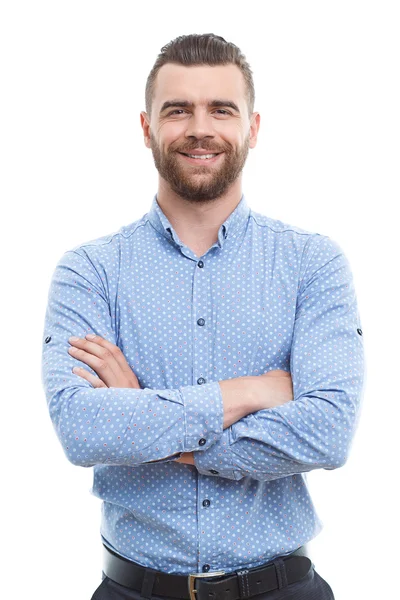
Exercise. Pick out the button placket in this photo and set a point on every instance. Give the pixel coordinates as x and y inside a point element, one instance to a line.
<point>201,308</point>
<point>201,361</point>
<point>206,516</point>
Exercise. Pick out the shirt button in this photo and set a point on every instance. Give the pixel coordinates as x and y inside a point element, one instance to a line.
<point>214,472</point>
<point>47,339</point>
<point>206,502</point>
<point>202,442</point>
<point>201,380</point>
<point>359,331</point>
<point>200,264</point>
<point>206,568</point>
<point>200,321</point>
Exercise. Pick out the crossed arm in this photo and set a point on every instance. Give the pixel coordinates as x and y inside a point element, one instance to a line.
<point>112,369</point>
<point>242,439</point>
<point>240,396</point>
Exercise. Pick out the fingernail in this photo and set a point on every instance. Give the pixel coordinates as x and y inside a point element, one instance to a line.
<point>73,338</point>
<point>90,336</point>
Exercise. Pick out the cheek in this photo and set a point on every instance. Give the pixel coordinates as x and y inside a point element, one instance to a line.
<point>170,133</point>
<point>233,134</point>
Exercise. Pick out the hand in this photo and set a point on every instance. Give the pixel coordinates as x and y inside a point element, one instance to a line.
<point>106,359</point>
<point>186,458</point>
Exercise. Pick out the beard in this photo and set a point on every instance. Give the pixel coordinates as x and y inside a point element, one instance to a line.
<point>198,183</point>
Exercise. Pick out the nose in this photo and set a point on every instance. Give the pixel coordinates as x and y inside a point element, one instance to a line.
<point>200,125</point>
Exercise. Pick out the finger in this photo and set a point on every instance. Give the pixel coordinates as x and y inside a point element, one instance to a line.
<point>96,357</point>
<point>95,381</point>
<point>106,359</point>
<point>186,458</point>
<point>95,349</point>
<point>114,350</point>
<point>101,367</point>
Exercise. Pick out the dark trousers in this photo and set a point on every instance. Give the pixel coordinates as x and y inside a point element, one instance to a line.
<point>311,587</point>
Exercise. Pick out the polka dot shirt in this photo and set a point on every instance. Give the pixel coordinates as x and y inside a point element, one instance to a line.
<point>266,295</point>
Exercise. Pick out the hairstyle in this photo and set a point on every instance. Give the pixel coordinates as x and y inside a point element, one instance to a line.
<point>201,49</point>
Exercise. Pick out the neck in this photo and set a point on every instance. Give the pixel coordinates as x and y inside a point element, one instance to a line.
<point>194,221</point>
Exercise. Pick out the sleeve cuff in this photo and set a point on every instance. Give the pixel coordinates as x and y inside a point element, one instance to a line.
<point>203,415</point>
<point>166,459</point>
<point>218,459</point>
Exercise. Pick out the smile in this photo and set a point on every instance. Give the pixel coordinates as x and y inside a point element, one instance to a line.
<point>204,158</point>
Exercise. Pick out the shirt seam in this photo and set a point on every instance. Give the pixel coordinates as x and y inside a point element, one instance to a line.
<point>287,227</point>
<point>87,259</point>
<point>308,259</point>
<point>95,243</point>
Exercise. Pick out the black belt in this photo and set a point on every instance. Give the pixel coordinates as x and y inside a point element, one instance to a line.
<point>235,585</point>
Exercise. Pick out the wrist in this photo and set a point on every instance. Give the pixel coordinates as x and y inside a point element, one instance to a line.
<point>238,399</point>
<point>252,397</point>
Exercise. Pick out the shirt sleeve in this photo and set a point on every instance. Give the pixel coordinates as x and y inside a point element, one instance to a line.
<point>316,429</point>
<point>114,426</point>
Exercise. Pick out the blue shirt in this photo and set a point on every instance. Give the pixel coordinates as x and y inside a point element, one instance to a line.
<point>265,296</point>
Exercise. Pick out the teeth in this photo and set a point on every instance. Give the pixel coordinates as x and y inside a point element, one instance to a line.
<point>203,156</point>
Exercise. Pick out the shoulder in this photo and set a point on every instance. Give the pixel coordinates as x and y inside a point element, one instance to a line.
<point>286,236</point>
<point>114,238</point>
<point>313,248</point>
<point>278,226</point>
<point>102,256</point>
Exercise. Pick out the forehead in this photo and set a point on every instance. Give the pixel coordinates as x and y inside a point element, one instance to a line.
<point>199,83</point>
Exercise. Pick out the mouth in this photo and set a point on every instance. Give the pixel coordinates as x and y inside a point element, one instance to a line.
<point>203,159</point>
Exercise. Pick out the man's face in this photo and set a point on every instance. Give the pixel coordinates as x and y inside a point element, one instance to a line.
<point>191,123</point>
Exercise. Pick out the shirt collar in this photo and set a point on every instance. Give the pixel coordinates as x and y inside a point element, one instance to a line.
<point>231,226</point>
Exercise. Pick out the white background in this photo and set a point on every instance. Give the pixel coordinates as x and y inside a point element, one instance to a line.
<point>74,167</point>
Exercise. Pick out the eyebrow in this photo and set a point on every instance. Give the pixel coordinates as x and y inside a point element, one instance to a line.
<point>211,104</point>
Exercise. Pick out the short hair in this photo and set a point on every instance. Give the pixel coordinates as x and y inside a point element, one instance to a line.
<point>201,49</point>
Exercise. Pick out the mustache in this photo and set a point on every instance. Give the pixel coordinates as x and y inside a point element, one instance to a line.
<point>188,149</point>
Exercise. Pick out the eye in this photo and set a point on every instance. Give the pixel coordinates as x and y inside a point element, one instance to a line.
<point>180,110</point>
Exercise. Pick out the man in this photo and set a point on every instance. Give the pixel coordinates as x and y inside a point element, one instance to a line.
<point>227,359</point>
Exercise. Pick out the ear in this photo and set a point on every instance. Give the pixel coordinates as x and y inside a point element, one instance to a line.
<point>145,123</point>
<point>254,127</point>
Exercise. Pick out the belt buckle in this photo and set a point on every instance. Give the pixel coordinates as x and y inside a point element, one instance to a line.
<point>193,577</point>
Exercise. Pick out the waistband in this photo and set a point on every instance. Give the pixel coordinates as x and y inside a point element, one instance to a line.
<point>235,585</point>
